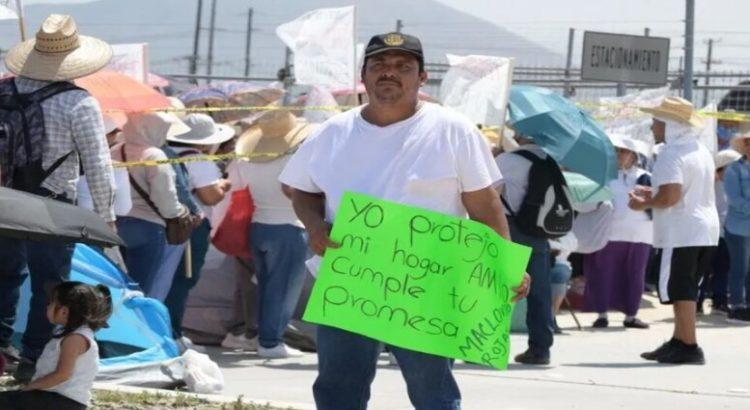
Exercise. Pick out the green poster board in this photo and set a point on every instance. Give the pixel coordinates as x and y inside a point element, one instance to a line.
<point>420,280</point>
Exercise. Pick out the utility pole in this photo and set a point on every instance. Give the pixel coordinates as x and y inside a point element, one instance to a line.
<point>212,29</point>
<point>286,76</point>
<point>567,92</point>
<point>709,61</point>
<point>196,40</point>
<point>399,25</point>
<point>687,92</point>
<point>247,41</point>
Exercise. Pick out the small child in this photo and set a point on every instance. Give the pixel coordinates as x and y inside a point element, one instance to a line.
<point>66,369</point>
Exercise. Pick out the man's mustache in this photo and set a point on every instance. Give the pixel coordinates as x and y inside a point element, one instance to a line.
<point>389,80</point>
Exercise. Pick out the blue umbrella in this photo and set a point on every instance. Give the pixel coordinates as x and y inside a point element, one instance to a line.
<point>564,132</point>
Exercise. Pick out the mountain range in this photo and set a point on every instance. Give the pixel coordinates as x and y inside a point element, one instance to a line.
<point>168,27</point>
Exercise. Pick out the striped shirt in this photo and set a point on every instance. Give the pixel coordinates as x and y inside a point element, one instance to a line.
<point>73,123</point>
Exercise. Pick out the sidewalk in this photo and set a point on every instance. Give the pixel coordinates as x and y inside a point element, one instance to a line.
<point>590,370</point>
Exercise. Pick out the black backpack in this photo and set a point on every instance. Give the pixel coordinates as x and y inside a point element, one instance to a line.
<point>546,210</point>
<point>22,135</point>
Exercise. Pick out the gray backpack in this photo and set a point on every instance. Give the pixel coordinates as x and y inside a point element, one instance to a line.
<point>22,135</point>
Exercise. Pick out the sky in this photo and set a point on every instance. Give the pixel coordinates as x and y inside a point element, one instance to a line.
<point>547,22</point>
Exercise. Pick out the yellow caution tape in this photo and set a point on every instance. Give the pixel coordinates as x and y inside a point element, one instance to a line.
<point>237,108</point>
<point>200,158</point>
<point>586,105</point>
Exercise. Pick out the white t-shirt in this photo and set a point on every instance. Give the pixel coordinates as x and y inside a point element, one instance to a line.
<point>515,169</point>
<point>426,160</point>
<point>693,221</point>
<point>123,201</point>
<point>262,178</point>
<point>79,386</point>
<point>629,225</point>
<point>200,174</point>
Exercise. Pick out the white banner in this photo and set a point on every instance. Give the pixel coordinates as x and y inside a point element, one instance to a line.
<point>478,87</point>
<point>9,9</point>
<point>322,41</point>
<point>131,60</point>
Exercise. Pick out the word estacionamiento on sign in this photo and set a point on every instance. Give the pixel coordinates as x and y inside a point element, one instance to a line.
<point>625,58</point>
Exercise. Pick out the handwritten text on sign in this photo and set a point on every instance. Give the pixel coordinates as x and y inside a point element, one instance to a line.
<point>420,280</point>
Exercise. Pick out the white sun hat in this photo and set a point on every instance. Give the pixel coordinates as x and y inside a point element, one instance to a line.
<point>203,131</point>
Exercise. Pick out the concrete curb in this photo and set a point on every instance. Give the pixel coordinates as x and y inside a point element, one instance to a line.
<point>215,398</point>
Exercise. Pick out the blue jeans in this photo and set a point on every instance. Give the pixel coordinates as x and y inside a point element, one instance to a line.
<point>539,302</point>
<point>347,364</point>
<point>279,258</point>
<point>178,294</point>
<point>146,242</point>
<point>739,265</point>
<point>48,264</point>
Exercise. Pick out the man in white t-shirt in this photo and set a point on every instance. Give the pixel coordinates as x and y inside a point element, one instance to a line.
<point>686,224</point>
<point>401,150</point>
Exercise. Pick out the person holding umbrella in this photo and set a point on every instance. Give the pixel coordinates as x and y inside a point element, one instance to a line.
<point>71,134</point>
<point>615,275</point>
<point>686,223</point>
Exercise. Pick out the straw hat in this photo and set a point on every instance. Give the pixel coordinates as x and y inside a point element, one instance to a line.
<point>676,109</point>
<point>743,132</point>
<point>58,53</point>
<point>624,141</point>
<point>726,157</point>
<point>203,131</point>
<point>274,133</point>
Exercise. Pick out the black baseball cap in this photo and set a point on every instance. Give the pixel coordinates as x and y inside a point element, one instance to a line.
<point>395,41</point>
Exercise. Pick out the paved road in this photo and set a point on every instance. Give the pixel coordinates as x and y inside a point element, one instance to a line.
<point>590,370</point>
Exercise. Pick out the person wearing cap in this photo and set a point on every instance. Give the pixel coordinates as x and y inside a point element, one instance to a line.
<point>278,244</point>
<point>206,181</point>
<point>74,128</point>
<point>715,281</point>
<point>403,150</point>
<point>143,229</point>
<point>737,228</point>
<point>686,223</point>
<point>615,275</point>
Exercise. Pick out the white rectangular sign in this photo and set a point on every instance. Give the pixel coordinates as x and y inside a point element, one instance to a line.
<point>131,60</point>
<point>625,58</point>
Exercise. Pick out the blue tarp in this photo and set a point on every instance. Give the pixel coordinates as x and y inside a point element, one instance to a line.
<point>139,330</point>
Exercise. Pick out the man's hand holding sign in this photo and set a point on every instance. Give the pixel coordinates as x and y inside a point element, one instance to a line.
<point>419,279</point>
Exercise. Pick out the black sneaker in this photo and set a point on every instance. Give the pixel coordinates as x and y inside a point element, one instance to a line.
<point>635,323</point>
<point>721,309</point>
<point>25,371</point>
<point>681,353</point>
<point>739,316</point>
<point>530,358</point>
<point>600,323</point>
<point>661,351</point>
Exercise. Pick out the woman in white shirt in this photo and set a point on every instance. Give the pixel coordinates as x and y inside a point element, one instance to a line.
<point>277,235</point>
<point>615,275</point>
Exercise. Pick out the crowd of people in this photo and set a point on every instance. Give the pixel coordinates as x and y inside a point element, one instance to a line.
<point>669,207</point>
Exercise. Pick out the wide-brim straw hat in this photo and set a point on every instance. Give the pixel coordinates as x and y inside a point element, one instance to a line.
<point>726,157</point>
<point>203,131</point>
<point>58,52</point>
<point>274,134</point>
<point>676,109</point>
